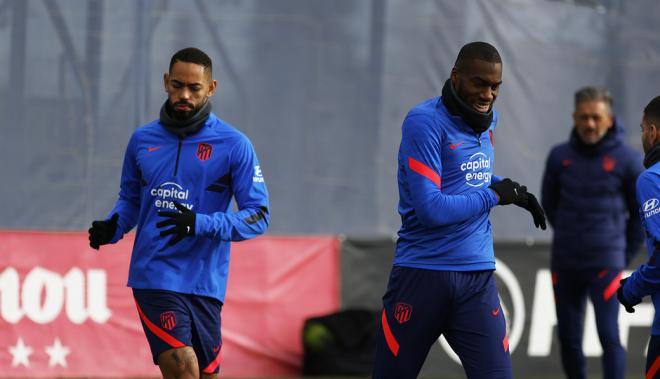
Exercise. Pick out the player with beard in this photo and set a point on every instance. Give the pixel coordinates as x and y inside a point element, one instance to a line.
<point>442,279</point>
<point>646,279</point>
<point>178,179</point>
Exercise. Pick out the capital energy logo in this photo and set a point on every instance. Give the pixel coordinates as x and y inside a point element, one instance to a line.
<point>477,170</point>
<point>651,207</point>
<point>167,193</point>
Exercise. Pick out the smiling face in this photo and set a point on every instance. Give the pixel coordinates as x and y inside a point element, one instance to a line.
<point>188,86</point>
<point>592,120</point>
<point>477,83</point>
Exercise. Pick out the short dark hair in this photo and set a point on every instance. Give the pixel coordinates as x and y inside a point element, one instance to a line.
<point>192,55</point>
<point>652,111</point>
<point>591,93</point>
<point>478,50</point>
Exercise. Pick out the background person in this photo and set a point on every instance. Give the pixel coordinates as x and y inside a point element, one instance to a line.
<point>588,195</point>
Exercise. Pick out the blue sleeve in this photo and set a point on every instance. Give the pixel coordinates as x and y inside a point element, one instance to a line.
<point>634,231</point>
<point>128,204</point>
<point>251,196</point>
<point>420,156</point>
<point>550,187</point>
<point>646,279</point>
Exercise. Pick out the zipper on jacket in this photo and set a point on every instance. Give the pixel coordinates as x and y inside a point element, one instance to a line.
<point>178,154</point>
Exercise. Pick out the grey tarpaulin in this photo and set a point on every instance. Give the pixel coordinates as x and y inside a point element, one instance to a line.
<point>321,88</point>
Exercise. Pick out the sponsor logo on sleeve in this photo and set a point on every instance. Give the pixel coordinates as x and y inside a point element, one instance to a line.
<point>258,176</point>
<point>651,207</point>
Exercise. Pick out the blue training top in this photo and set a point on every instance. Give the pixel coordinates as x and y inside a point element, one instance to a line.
<point>646,280</point>
<point>202,171</point>
<point>444,172</point>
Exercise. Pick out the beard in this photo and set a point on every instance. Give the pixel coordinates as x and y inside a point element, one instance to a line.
<point>184,115</point>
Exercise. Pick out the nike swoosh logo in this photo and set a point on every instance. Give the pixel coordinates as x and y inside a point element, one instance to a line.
<point>455,145</point>
<point>495,312</point>
<point>216,349</point>
<point>150,149</point>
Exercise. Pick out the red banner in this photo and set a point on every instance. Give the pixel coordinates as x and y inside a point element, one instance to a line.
<point>65,309</point>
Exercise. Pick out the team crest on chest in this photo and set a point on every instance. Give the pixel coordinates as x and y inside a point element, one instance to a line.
<point>168,320</point>
<point>204,151</point>
<point>402,312</point>
<point>608,164</point>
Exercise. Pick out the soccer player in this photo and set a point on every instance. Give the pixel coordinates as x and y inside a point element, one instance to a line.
<point>442,278</point>
<point>588,195</point>
<point>180,173</point>
<point>646,279</point>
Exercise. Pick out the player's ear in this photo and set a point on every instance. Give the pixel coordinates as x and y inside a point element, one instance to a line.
<point>454,76</point>
<point>212,87</point>
<point>611,120</point>
<point>166,79</point>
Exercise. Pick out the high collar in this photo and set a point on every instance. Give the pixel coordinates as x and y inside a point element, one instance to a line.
<point>186,127</point>
<point>479,122</point>
<point>653,156</point>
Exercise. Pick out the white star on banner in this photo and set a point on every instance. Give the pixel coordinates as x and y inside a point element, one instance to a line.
<point>57,353</point>
<point>20,354</point>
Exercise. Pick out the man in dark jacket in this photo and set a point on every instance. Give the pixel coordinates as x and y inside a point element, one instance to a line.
<point>589,198</point>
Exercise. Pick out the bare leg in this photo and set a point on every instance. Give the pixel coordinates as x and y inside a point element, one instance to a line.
<point>179,363</point>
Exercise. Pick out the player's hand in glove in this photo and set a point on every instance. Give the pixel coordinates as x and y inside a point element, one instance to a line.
<point>183,223</point>
<point>509,191</point>
<point>532,206</point>
<point>622,299</point>
<point>101,232</point>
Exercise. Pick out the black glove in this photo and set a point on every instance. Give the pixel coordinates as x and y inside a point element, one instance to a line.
<point>509,191</point>
<point>183,222</point>
<point>101,232</point>
<point>532,206</point>
<point>619,295</point>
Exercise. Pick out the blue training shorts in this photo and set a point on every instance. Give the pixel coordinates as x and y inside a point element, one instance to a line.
<point>171,320</point>
<point>420,305</point>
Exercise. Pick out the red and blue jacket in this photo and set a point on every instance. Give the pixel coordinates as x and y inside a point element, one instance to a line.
<point>588,195</point>
<point>202,171</point>
<point>444,170</point>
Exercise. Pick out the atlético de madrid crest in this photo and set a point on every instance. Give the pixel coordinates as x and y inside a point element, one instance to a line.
<point>204,151</point>
<point>402,312</point>
<point>168,320</point>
